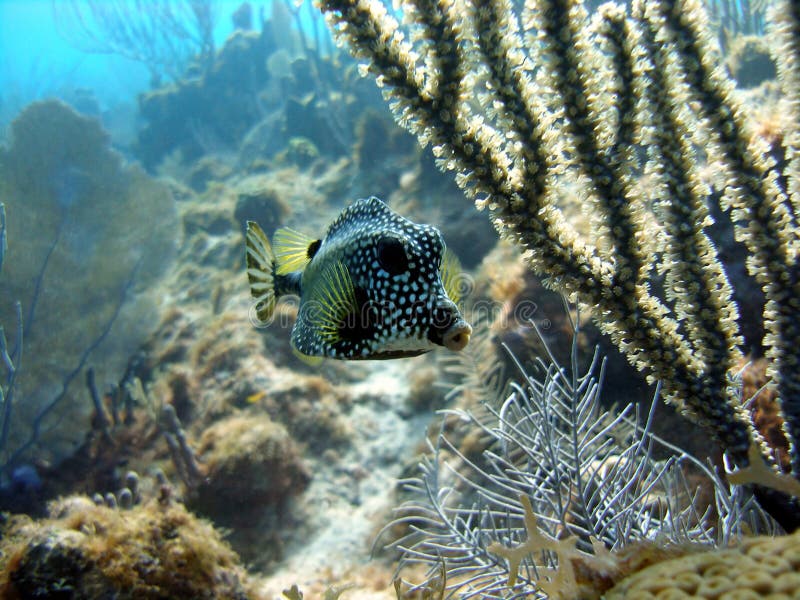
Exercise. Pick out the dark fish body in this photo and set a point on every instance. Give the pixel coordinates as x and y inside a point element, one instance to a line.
<point>376,286</point>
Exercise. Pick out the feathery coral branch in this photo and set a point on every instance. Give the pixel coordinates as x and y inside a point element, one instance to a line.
<point>520,106</point>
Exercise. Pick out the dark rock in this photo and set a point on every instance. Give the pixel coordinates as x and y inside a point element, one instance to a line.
<point>210,113</point>
<point>210,220</point>
<point>264,206</point>
<point>50,570</point>
<point>469,234</point>
<point>206,170</point>
<point>242,17</point>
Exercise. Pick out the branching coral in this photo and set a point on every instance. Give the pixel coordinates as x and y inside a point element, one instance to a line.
<point>529,107</point>
<point>565,498</point>
<point>3,240</point>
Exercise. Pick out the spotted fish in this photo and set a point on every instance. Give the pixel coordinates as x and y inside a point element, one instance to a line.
<point>377,286</point>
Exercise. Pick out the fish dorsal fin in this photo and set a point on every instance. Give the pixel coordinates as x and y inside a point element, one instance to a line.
<point>450,272</point>
<point>365,210</point>
<point>292,250</point>
<point>259,260</point>
<point>331,303</point>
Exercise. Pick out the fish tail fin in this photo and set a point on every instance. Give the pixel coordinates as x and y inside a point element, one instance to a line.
<point>293,250</point>
<point>260,271</point>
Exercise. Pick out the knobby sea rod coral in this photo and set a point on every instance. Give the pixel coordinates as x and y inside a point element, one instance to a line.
<point>528,107</point>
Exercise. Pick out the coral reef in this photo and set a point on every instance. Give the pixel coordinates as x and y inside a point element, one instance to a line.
<point>572,496</point>
<point>757,567</point>
<point>528,486</point>
<point>206,114</point>
<point>272,439</point>
<point>261,92</point>
<point>752,567</point>
<point>249,461</point>
<point>152,551</point>
<point>528,117</point>
<point>89,237</point>
<point>252,472</point>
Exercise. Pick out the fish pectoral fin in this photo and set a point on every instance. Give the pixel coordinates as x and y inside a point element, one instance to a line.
<point>293,250</point>
<point>259,260</point>
<point>450,273</point>
<point>334,303</point>
<point>325,313</point>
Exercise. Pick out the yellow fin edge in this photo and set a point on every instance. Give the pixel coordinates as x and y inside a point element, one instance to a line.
<point>291,250</point>
<point>311,361</point>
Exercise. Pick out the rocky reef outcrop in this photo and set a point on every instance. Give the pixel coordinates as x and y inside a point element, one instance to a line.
<point>155,550</point>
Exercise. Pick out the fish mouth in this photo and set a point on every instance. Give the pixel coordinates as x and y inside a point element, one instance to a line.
<point>448,328</point>
<point>457,337</point>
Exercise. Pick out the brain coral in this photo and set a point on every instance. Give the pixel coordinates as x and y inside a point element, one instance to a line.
<point>758,567</point>
<point>88,235</point>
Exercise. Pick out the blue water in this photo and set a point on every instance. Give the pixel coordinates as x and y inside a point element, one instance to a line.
<point>37,62</point>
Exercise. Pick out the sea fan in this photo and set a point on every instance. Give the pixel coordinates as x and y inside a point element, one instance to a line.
<point>586,472</point>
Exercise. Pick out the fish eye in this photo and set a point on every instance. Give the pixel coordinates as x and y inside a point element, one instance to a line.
<point>392,256</point>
